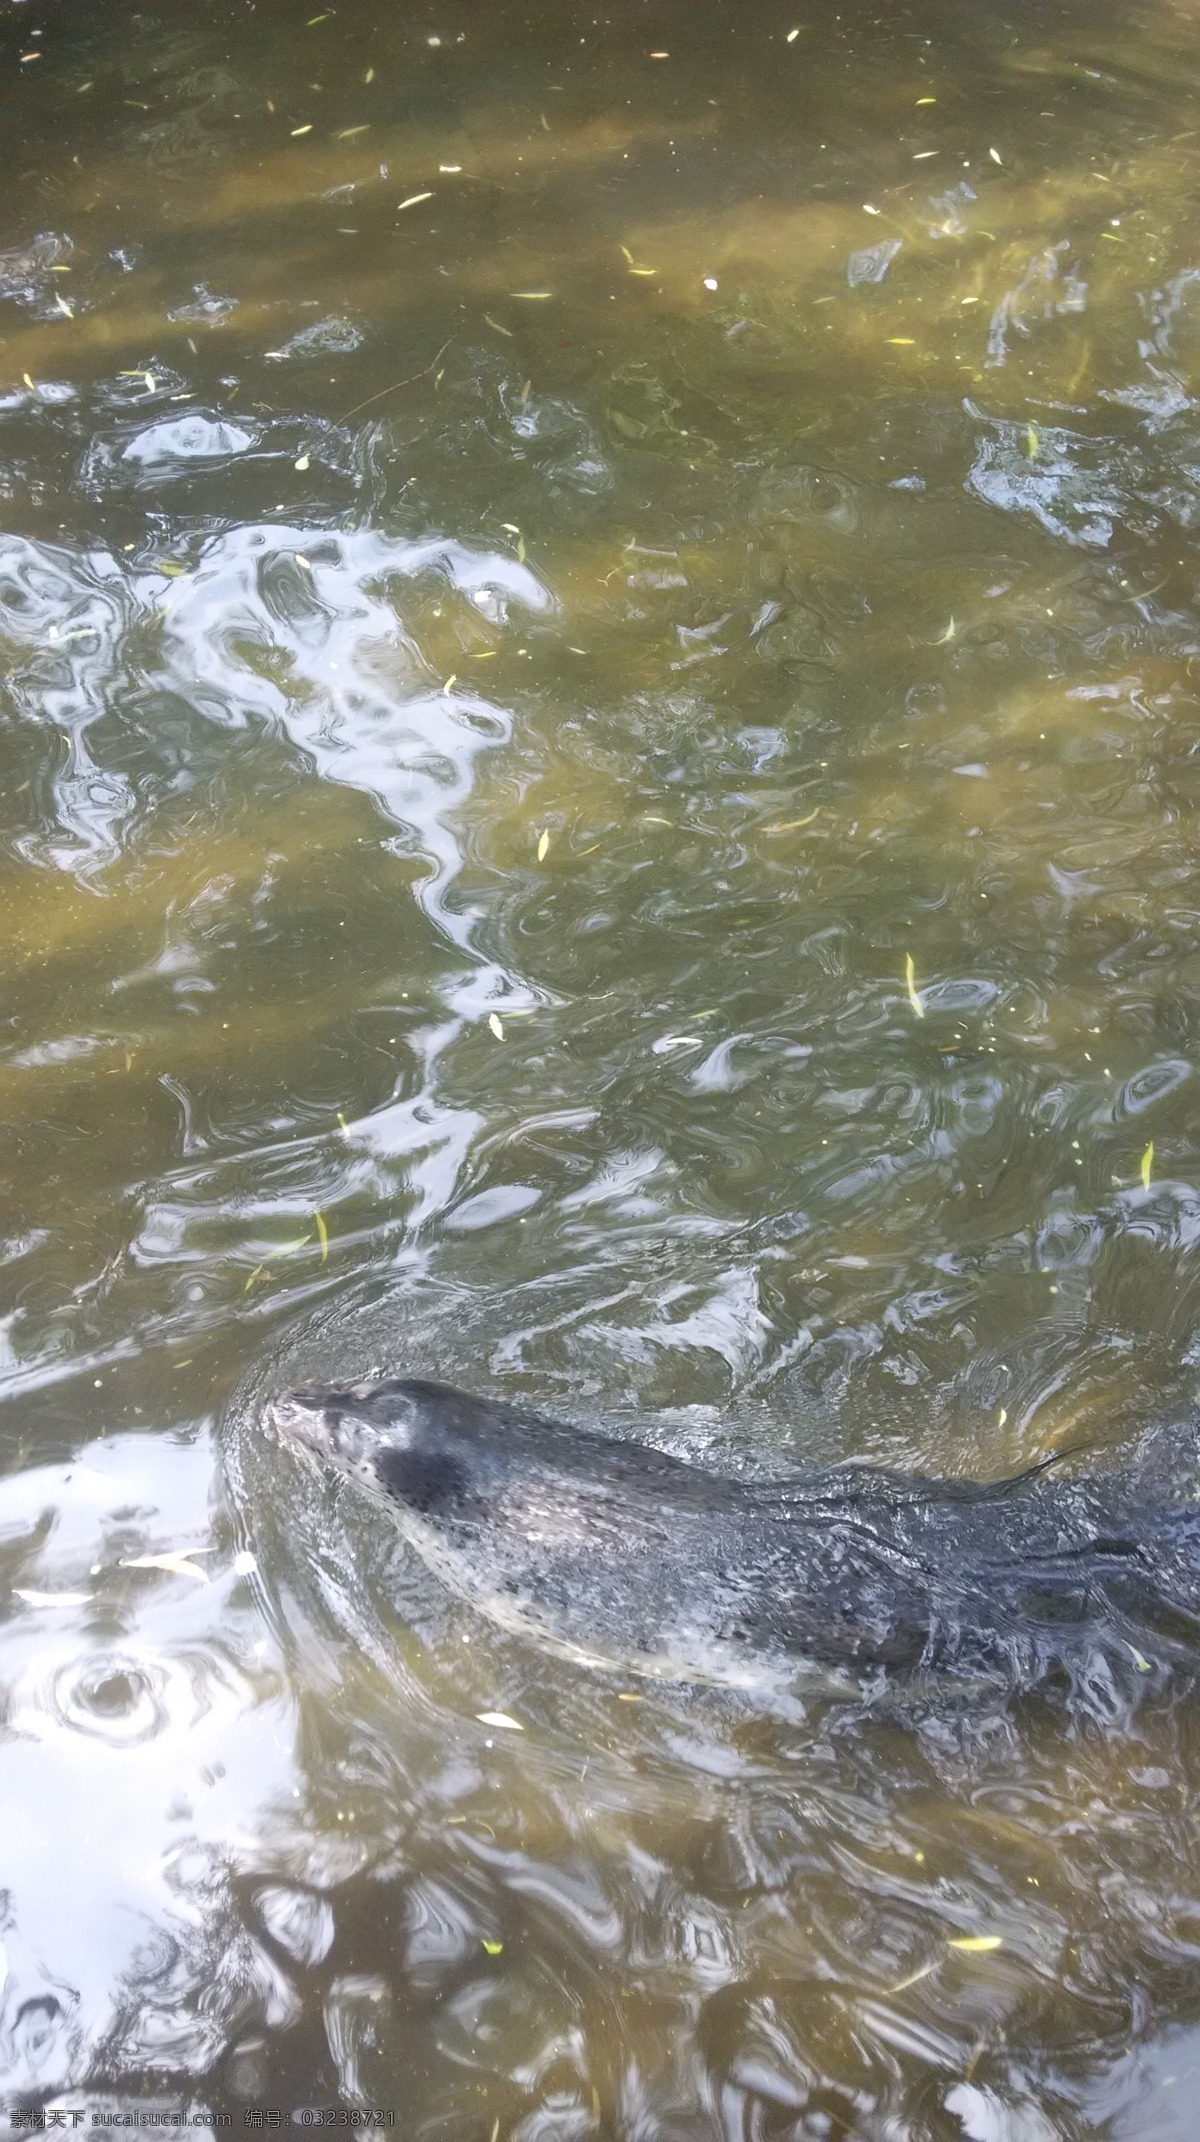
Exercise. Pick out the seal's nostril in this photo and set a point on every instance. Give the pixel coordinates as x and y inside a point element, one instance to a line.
<point>35,2023</point>
<point>43,2005</point>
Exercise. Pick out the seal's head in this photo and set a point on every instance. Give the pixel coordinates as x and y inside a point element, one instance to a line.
<point>420,1447</point>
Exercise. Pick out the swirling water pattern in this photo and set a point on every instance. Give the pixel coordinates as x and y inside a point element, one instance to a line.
<point>597,716</point>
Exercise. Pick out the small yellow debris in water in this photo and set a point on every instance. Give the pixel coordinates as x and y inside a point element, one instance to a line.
<point>1031,441</point>
<point>497,1028</point>
<point>995,156</point>
<point>1147,1164</point>
<point>660,55</point>
<point>793,825</point>
<point>493,1948</point>
<point>301,130</point>
<point>903,342</point>
<point>29,382</point>
<point>532,297</point>
<point>412,200</point>
<point>520,550</point>
<point>323,1235</point>
<point>946,636</point>
<point>926,100</point>
<point>543,847</point>
<point>1139,1659</point>
<point>977,1944</point>
<point>177,1564</point>
<point>914,1978</point>
<point>302,463</point>
<point>369,76</point>
<point>910,976</point>
<point>625,1696</point>
<point>450,683</point>
<point>501,1719</point>
<point>792,35</point>
<point>496,324</point>
<point>348,133</point>
<point>869,211</point>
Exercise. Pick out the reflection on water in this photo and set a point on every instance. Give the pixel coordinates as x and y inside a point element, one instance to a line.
<point>597,711</point>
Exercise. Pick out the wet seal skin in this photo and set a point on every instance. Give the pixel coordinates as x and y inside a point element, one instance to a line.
<point>615,1554</point>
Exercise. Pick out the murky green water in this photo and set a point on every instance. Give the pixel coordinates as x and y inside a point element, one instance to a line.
<point>598,640</point>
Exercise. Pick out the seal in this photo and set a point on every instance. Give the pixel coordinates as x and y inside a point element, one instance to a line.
<point>618,1555</point>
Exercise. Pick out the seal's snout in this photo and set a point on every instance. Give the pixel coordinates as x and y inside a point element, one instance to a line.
<point>305,1417</point>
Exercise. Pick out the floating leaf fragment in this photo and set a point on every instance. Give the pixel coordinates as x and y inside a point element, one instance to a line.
<point>869,211</point>
<point>792,35</point>
<point>926,100</point>
<point>1031,440</point>
<point>296,130</point>
<point>793,825</point>
<point>450,683</point>
<point>347,133</point>
<point>496,324</point>
<point>493,1948</point>
<point>301,463</point>
<point>995,156</point>
<point>412,200</point>
<point>543,847</point>
<point>532,297</point>
<point>501,1719</point>
<point>903,342</point>
<point>177,1563</point>
<point>1139,1658</point>
<point>977,1944</point>
<point>910,976</point>
<point>369,76</point>
<point>322,1236</point>
<point>1147,1164</point>
<point>946,636</point>
<point>496,1024</point>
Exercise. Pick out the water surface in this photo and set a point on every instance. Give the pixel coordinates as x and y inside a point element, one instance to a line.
<point>598,702</point>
